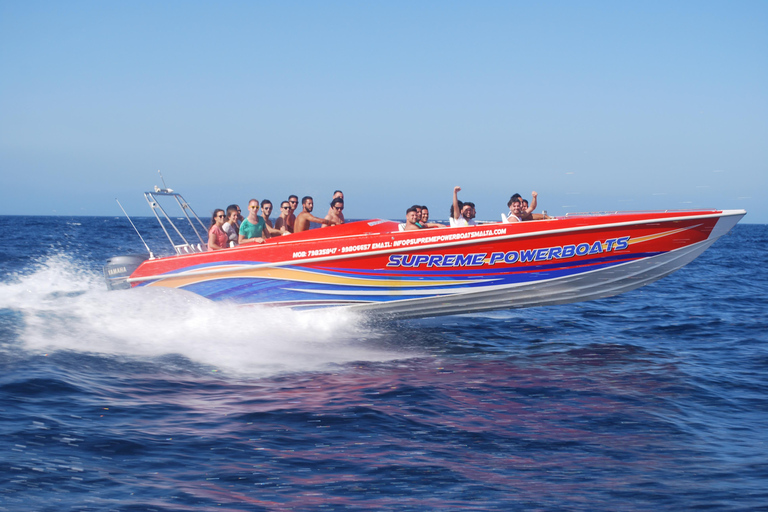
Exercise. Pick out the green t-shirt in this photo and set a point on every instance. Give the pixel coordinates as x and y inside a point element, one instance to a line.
<point>249,230</point>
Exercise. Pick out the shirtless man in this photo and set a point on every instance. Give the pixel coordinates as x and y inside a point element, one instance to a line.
<point>266,211</point>
<point>293,201</point>
<point>252,228</point>
<point>411,219</point>
<point>305,217</point>
<point>337,194</point>
<point>335,216</point>
<point>281,223</point>
<point>463,213</point>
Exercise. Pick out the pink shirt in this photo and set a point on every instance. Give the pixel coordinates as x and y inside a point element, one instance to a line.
<point>222,240</point>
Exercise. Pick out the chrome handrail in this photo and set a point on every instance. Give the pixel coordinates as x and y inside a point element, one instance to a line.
<point>185,247</point>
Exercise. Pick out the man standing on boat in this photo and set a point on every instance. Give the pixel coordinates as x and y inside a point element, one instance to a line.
<point>252,229</point>
<point>305,217</point>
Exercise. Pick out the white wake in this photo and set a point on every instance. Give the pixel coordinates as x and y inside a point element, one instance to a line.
<point>65,307</point>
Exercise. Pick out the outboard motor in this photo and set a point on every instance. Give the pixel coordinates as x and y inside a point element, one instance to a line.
<point>119,268</point>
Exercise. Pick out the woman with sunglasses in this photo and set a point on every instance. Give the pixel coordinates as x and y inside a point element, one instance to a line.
<point>217,238</point>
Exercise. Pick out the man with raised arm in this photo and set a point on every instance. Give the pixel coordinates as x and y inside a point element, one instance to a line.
<point>305,217</point>
<point>462,214</point>
<point>528,210</point>
<point>252,229</point>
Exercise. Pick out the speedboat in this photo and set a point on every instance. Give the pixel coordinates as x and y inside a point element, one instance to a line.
<point>374,267</point>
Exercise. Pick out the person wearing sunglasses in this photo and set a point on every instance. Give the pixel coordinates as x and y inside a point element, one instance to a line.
<point>217,238</point>
<point>252,228</point>
<point>337,194</point>
<point>335,215</point>
<point>281,223</point>
<point>266,211</point>
<point>293,202</point>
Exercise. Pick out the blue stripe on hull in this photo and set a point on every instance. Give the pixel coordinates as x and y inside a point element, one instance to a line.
<point>248,290</point>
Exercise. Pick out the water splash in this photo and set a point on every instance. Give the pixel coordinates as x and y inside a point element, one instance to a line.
<point>65,307</point>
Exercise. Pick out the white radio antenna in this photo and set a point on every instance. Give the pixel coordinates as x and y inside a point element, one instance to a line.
<point>165,187</point>
<point>151,256</point>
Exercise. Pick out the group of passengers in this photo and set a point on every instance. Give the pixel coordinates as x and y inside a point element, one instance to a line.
<point>463,213</point>
<point>231,228</point>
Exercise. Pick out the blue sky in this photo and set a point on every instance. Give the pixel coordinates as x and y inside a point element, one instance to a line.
<point>595,105</point>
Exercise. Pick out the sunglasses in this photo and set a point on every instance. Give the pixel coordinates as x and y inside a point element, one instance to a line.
<point>253,207</point>
<point>338,208</point>
<point>285,207</point>
<point>220,215</point>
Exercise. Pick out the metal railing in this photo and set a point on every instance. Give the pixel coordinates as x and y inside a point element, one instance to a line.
<point>184,247</point>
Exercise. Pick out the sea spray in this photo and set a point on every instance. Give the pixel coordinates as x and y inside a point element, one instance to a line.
<point>66,307</point>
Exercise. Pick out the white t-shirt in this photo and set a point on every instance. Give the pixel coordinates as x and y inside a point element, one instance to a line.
<point>231,231</point>
<point>461,222</point>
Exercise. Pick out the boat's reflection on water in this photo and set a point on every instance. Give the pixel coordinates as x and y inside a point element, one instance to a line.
<point>528,427</point>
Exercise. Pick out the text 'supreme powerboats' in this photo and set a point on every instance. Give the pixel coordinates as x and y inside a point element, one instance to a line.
<point>371,266</point>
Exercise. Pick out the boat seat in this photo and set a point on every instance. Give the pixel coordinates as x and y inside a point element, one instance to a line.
<point>401,226</point>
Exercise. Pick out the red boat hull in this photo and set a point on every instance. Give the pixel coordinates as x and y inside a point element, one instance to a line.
<point>372,266</point>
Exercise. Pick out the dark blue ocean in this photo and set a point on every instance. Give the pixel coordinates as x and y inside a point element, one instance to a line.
<point>159,400</point>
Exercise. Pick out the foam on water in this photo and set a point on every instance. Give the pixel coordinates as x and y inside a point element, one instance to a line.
<point>66,307</point>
